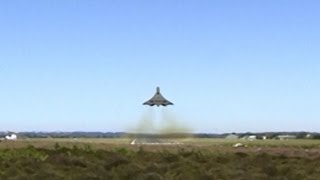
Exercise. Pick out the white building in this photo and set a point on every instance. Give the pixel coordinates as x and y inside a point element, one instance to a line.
<point>252,137</point>
<point>13,137</point>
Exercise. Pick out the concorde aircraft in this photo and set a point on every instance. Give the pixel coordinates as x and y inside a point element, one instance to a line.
<point>158,100</point>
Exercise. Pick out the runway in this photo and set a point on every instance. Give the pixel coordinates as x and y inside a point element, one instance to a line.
<point>153,141</point>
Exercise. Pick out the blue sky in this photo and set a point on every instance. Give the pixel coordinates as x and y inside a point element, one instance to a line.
<point>229,66</point>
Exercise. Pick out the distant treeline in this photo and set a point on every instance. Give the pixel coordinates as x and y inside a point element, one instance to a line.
<point>80,134</point>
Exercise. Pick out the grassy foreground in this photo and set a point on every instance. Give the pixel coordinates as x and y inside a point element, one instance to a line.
<point>98,159</point>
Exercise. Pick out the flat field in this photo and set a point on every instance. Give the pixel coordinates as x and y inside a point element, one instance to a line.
<point>192,158</point>
<point>201,144</point>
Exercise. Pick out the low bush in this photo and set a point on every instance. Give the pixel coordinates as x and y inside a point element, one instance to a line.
<point>122,163</point>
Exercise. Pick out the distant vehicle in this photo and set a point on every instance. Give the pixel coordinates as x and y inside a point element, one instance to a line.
<point>158,100</point>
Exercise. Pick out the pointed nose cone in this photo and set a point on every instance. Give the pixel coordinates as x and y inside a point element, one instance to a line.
<point>158,100</point>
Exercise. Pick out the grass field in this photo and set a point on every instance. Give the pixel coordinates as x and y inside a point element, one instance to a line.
<point>193,159</point>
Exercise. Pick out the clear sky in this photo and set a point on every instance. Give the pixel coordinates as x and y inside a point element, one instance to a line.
<point>229,66</point>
